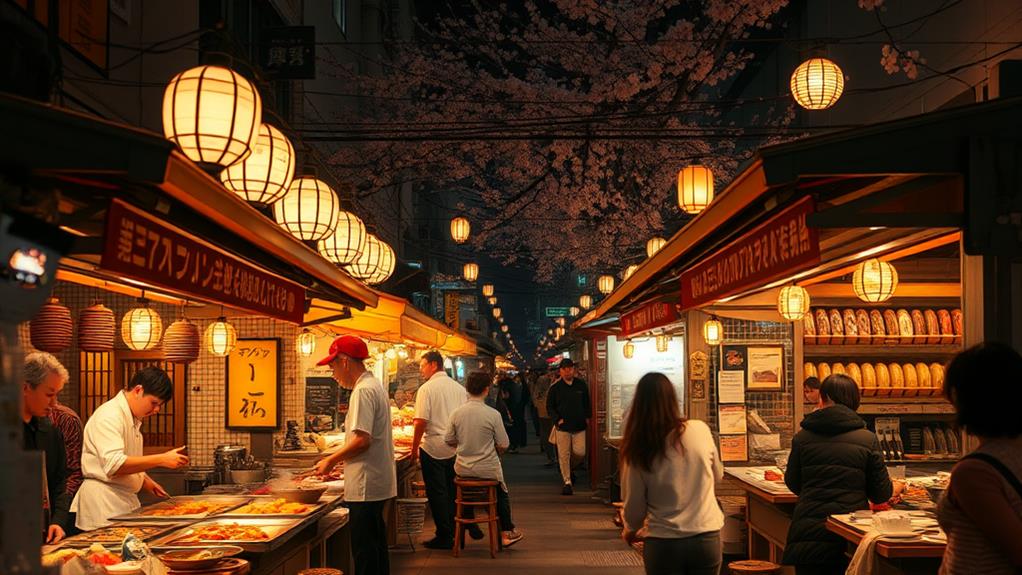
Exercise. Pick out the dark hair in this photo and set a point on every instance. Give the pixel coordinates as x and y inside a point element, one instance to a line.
<point>654,419</point>
<point>433,356</point>
<point>984,383</point>
<point>812,382</point>
<point>841,389</point>
<point>154,381</point>
<point>477,382</point>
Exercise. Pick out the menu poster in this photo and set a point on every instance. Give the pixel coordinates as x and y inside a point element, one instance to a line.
<point>766,368</point>
<point>732,419</point>
<point>253,385</point>
<point>731,387</point>
<point>320,404</point>
<point>734,448</point>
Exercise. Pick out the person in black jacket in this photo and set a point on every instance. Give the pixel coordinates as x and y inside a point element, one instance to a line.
<point>835,466</point>
<point>567,404</point>
<point>43,379</point>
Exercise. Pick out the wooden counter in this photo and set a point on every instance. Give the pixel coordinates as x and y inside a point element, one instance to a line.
<point>896,557</point>
<point>768,509</point>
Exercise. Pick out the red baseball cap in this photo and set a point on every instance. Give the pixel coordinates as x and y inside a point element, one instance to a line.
<point>349,345</point>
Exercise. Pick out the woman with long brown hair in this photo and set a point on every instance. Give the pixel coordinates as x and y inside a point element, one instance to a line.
<point>669,467</point>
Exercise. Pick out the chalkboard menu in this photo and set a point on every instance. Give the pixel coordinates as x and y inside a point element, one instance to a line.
<point>320,404</point>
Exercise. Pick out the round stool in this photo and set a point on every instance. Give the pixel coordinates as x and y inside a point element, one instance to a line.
<point>320,571</point>
<point>753,567</point>
<point>472,493</point>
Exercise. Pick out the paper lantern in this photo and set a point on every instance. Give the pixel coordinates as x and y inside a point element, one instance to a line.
<point>97,328</point>
<point>629,271</point>
<point>460,229</point>
<point>305,343</point>
<point>628,350</point>
<point>308,210</point>
<point>662,341</point>
<point>874,281</point>
<point>265,175</point>
<point>559,332</point>
<point>141,327</point>
<point>213,114</point>
<point>496,312</point>
<point>574,311</point>
<point>605,284</point>
<point>470,271</point>
<point>550,332</point>
<point>51,329</point>
<point>560,321</point>
<point>376,263</point>
<point>503,328</point>
<point>585,301</point>
<point>347,242</point>
<point>713,332</point>
<point>487,290</point>
<point>391,353</point>
<point>695,189</point>
<point>654,245</point>
<point>817,84</point>
<point>491,300</point>
<point>793,302</point>
<point>181,343</point>
<point>221,337</point>
<point>385,264</point>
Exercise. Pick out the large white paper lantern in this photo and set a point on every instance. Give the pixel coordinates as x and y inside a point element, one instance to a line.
<point>470,271</point>
<point>347,242</point>
<point>605,284</point>
<point>141,327</point>
<point>460,229</point>
<point>874,281</point>
<point>817,84</point>
<point>695,189</point>
<point>308,210</point>
<point>793,302</point>
<point>221,337</point>
<point>654,245</point>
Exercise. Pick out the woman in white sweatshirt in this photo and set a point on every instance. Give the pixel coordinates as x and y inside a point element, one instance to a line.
<point>669,467</point>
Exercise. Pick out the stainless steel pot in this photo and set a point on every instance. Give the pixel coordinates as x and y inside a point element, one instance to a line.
<point>224,458</point>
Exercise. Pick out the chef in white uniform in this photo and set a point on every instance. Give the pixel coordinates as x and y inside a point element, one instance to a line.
<point>113,463</point>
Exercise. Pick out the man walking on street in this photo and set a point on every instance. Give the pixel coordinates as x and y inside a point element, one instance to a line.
<point>568,406</point>
<point>436,399</point>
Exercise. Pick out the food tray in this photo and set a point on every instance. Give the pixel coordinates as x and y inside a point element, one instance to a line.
<point>114,534</point>
<point>313,508</point>
<point>275,528</point>
<point>144,513</point>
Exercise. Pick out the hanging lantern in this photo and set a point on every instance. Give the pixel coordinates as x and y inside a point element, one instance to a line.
<point>308,210</point>
<point>51,329</point>
<point>347,242</point>
<point>221,337</point>
<point>460,229</point>
<point>470,271</point>
<point>391,353</point>
<point>385,264</point>
<point>793,302</point>
<point>503,328</point>
<point>654,245</point>
<point>817,84</point>
<point>376,262</point>
<point>496,312</point>
<point>141,327</point>
<point>487,290</point>
<point>560,321</point>
<point>585,301</point>
<point>605,284</point>
<point>574,311</point>
<point>628,350</point>
<point>550,332</point>
<point>213,114</point>
<point>264,176</point>
<point>181,342</point>
<point>491,300</point>
<point>713,332</point>
<point>500,319</point>
<point>402,353</point>
<point>305,344</point>
<point>874,281</point>
<point>559,332</point>
<point>695,189</point>
<point>629,271</point>
<point>662,341</point>
<point>97,327</point>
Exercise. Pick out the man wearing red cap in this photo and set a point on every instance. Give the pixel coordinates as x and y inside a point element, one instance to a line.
<point>370,478</point>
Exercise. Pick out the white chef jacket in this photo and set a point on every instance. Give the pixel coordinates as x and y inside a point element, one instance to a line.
<point>477,429</point>
<point>434,402</point>
<point>372,474</point>
<point>111,436</point>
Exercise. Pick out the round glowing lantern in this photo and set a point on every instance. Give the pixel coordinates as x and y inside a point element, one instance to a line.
<point>487,290</point>
<point>628,350</point>
<point>605,284</point>
<point>713,332</point>
<point>141,327</point>
<point>386,262</point>
<point>496,312</point>
<point>265,175</point>
<point>221,337</point>
<point>372,264</point>
<point>585,301</point>
<point>695,189</point>
<point>308,210</point>
<point>460,229</point>
<point>470,271</point>
<point>574,311</point>
<point>662,341</point>
<point>492,300</point>
<point>305,343</point>
<point>347,242</point>
<point>559,332</point>
<point>654,245</point>
<point>213,114</point>
<point>503,328</point>
<point>629,271</point>
<point>874,281</point>
<point>817,84</point>
<point>793,302</point>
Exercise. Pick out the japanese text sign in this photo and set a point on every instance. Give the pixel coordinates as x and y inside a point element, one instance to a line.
<point>647,317</point>
<point>143,248</point>
<point>253,385</point>
<point>289,52</point>
<point>781,246</point>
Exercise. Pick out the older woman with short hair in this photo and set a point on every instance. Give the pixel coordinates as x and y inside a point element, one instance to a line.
<point>43,378</point>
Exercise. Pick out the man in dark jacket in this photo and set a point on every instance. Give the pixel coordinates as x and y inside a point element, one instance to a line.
<point>568,406</point>
<point>835,466</point>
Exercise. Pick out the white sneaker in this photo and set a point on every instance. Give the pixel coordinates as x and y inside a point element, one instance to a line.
<point>511,537</point>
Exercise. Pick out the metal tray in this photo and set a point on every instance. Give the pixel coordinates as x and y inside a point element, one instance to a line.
<point>114,534</point>
<point>274,528</point>
<point>144,513</point>
<point>235,513</point>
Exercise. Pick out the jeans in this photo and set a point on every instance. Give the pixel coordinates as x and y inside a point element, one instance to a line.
<point>368,538</point>
<point>571,451</point>
<point>695,555</point>
<point>503,510</point>
<point>438,475</point>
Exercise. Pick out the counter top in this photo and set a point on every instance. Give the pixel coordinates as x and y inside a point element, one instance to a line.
<point>889,548</point>
<point>752,480</point>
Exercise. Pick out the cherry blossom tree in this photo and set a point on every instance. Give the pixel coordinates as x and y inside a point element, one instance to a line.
<point>559,125</point>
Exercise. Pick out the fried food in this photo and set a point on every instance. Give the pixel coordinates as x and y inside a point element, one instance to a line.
<point>187,508</point>
<point>225,532</point>
<point>275,507</point>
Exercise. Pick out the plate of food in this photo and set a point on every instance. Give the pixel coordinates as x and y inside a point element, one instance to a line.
<point>194,559</point>
<point>184,508</point>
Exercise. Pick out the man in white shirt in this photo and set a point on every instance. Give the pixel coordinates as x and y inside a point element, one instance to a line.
<point>370,477</point>
<point>113,463</point>
<point>436,399</point>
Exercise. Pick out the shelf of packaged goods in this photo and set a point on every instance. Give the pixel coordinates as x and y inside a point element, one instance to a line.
<point>905,406</point>
<point>887,351</point>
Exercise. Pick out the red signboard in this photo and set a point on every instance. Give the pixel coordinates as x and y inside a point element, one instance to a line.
<point>141,247</point>
<point>647,317</point>
<point>779,247</point>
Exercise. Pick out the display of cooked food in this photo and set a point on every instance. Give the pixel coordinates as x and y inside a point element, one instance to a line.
<point>116,534</point>
<point>403,416</point>
<point>192,507</point>
<point>223,532</point>
<point>276,507</point>
<point>883,326</point>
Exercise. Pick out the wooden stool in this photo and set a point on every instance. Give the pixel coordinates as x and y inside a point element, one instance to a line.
<point>474,493</point>
<point>320,571</point>
<point>753,567</point>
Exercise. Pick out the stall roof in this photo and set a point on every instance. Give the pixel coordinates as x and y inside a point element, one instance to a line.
<point>861,177</point>
<point>93,161</point>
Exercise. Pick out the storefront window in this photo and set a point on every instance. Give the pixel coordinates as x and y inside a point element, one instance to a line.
<point>624,374</point>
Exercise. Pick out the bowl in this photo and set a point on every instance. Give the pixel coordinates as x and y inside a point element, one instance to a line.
<point>300,494</point>
<point>248,475</point>
<point>195,559</point>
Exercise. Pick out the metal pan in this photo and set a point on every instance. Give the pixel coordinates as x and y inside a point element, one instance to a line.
<point>237,511</point>
<point>146,513</point>
<point>114,534</point>
<point>186,537</point>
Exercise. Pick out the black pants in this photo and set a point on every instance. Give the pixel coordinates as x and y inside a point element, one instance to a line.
<point>503,510</point>
<point>438,475</point>
<point>696,555</point>
<point>368,538</point>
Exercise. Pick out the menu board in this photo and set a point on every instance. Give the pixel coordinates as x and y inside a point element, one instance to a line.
<point>624,374</point>
<point>320,404</point>
<point>253,385</point>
